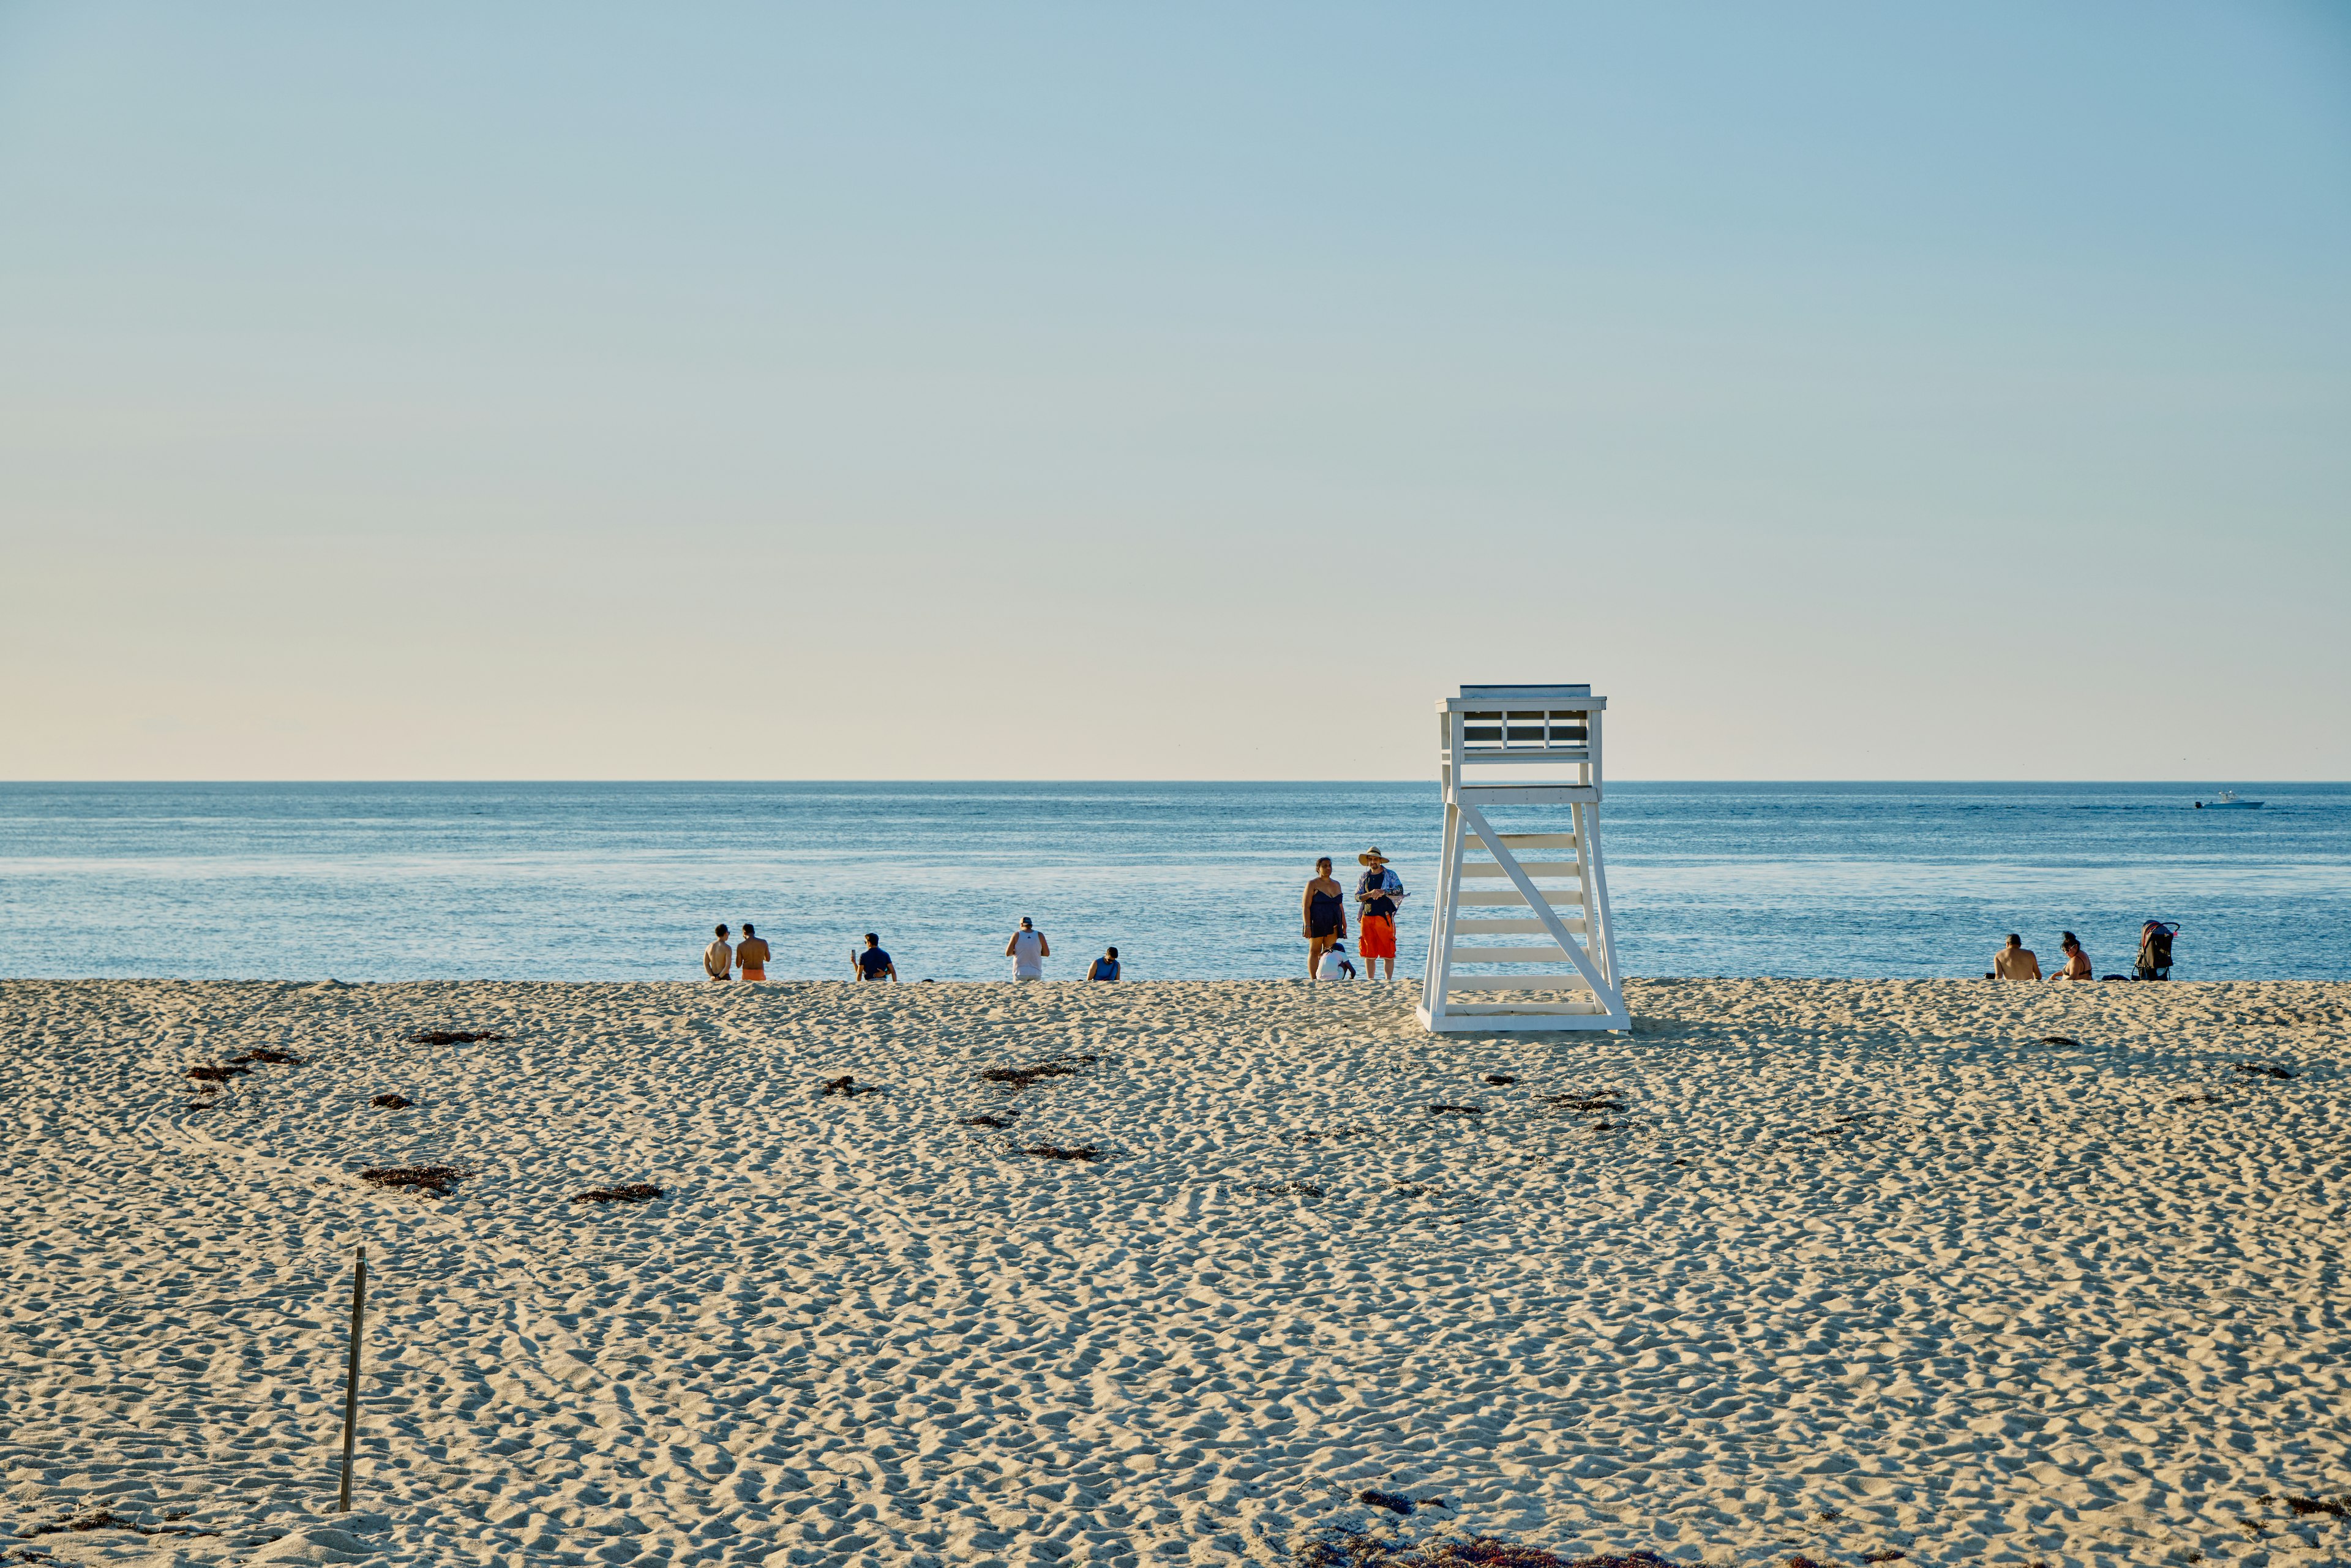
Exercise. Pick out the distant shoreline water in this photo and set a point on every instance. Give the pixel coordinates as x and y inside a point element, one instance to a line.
<point>622,882</point>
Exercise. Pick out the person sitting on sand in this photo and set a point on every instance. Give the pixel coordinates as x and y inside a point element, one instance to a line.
<point>1027,950</point>
<point>1324,912</point>
<point>1334,965</point>
<point>2077,963</point>
<point>752,954</point>
<point>1104,967</point>
<point>2015,961</point>
<point>718,958</point>
<point>874,964</point>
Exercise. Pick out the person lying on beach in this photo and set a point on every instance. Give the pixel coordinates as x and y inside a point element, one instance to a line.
<point>2015,961</point>
<point>1334,965</point>
<point>718,958</point>
<point>2077,963</point>
<point>1104,967</point>
<point>1027,950</point>
<point>752,954</point>
<point>1324,912</point>
<point>874,964</point>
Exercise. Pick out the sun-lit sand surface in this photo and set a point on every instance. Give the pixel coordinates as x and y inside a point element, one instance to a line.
<point>1841,1269</point>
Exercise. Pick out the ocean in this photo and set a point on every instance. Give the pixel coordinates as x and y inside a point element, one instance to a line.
<point>623,882</point>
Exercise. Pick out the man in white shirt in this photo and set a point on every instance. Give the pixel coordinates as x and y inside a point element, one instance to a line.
<point>718,958</point>
<point>1027,950</point>
<point>1335,965</point>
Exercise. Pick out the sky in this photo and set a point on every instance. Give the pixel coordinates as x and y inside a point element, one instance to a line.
<point>1187,392</point>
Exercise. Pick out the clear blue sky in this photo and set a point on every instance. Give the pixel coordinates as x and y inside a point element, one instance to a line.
<point>1848,392</point>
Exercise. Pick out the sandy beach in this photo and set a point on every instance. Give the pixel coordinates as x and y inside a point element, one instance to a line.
<point>1937,1272</point>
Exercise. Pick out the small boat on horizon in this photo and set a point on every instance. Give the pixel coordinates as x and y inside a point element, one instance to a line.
<point>2227,799</point>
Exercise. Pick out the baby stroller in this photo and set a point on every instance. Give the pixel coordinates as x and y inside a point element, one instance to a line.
<point>2154,949</point>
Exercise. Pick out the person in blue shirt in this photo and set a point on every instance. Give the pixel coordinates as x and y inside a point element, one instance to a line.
<point>1105,968</point>
<point>874,964</point>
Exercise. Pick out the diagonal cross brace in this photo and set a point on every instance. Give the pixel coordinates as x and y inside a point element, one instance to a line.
<point>1541,906</point>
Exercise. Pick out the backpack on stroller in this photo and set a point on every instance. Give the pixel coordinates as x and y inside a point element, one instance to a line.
<point>2154,949</point>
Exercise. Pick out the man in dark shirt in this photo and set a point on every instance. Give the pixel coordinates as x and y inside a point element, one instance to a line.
<point>874,964</point>
<point>1377,894</point>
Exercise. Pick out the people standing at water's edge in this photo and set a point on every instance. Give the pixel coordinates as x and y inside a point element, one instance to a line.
<point>1324,912</point>
<point>874,964</point>
<point>1335,965</point>
<point>751,953</point>
<point>2015,961</point>
<point>1104,967</point>
<point>1027,950</point>
<point>718,958</point>
<point>2078,962</point>
<point>1378,894</point>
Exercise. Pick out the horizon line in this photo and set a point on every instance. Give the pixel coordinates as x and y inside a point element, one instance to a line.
<point>770,783</point>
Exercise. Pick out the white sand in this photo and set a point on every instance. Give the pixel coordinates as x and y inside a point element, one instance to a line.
<point>1861,1267</point>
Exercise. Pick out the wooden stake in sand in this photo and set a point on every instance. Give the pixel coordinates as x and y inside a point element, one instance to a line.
<point>351,1377</point>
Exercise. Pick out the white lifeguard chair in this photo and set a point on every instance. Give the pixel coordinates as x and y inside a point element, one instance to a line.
<point>1493,743</point>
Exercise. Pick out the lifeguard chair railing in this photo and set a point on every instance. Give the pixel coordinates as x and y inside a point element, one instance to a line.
<point>1521,752</point>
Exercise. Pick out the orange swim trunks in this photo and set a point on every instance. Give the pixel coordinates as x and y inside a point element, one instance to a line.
<point>1379,937</point>
<point>751,974</point>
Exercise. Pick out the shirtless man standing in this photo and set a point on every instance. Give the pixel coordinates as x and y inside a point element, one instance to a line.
<point>2015,961</point>
<point>1324,912</point>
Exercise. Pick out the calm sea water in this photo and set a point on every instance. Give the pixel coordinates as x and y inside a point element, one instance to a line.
<point>1190,881</point>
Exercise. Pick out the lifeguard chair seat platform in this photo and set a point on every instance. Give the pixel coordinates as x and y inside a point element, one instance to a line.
<point>1521,751</point>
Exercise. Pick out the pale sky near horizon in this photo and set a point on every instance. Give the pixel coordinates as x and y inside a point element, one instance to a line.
<point>1848,392</point>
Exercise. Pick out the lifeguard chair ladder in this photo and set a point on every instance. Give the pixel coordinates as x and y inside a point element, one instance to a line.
<point>1484,736</point>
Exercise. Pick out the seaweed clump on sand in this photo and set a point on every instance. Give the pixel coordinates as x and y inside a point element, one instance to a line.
<point>2333,1508</point>
<point>1290,1188</point>
<point>997,1122</point>
<point>1457,1110</point>
<point>633,1192</point>
<point>1084,1154</point>
<point>1884,1554</point>
<point>435,1179</point>
<point>1500,1079</point>
<point>455,1036</point>
<point>1339,1548</point>
<point>1022,1077</point>
<point>2263,1069</point>
<point>391,1102</point>
<point>284,1058</point>
<point>847,1087</point>
<point>2059,1040</point>
<point>1606,1101</point>
<point>105,1520</point>
<point>209,1077</point>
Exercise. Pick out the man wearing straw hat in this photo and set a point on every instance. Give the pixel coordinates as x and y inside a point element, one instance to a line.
<point>1378,892</point>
